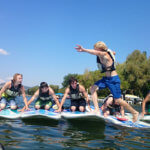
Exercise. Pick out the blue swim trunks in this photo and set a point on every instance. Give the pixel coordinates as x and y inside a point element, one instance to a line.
<point>113,83</point>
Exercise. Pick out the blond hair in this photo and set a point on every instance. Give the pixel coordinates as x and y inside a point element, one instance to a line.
<point>100,45</point>
<point>15,76</point>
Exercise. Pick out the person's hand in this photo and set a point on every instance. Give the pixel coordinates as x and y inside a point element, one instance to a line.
<point>58,110</point>
<point>114,52</point>
<point>27,108</point>
<point>97,111</point>
<point>21,110</point>
<point>79,48</point>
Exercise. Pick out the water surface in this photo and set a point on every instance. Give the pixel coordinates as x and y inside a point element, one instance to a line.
<point>80,134</point>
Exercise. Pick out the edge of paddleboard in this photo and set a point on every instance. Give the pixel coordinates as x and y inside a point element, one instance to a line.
<point>128,123</point>
<point>76,114</point>
<point>40,114</point>
<point>9,114</point>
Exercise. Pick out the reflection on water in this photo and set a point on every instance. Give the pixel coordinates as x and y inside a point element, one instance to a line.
<point>80,134</point>
<point>40,122</point>
<point>71,134</point>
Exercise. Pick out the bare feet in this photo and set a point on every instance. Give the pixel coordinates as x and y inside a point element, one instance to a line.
<point>135,116</point>
<point>97,112</point>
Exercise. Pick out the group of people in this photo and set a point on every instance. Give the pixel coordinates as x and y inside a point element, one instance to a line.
<point>45,96</point>
<point>78,95</point>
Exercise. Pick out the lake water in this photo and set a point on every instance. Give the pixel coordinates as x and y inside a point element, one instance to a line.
<point>81,134</point>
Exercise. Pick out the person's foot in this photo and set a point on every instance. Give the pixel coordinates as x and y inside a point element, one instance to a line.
<point>105,115</point>
<point>135,116</point>
<point>97,112</point>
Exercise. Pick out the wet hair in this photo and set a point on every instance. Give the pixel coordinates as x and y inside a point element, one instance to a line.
<point>15,77</point>
<point>72,79</point>
<point>42,85</point>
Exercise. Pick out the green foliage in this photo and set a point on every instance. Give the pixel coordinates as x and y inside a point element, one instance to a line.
<point>62,90</point>
<point>55,88</point>
<point>66,79</point>
<point>136,72</point>
<point>32,90</point>
<point>124,83</point>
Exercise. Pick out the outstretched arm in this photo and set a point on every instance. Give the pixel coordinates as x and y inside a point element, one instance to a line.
<point>24,97</point>
<point>82,89</point>
<point>63,100</point>
<point>79,48</point>
<point>31,100</point>
<point>54,96</point>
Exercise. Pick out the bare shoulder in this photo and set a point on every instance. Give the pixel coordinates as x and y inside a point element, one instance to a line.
<point>81,88</point>
<point>50,88</point>
<point>37,92</point>
<point>7,84</point>
<point>51,91</point>
<point>67,90</point>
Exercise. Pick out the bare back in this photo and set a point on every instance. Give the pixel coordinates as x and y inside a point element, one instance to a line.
<point>107,61</point>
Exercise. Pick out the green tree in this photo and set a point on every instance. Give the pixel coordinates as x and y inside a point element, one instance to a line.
<point>66,79</point>
<point>136,72</point>
<point>61,90</point>
<point>55,88</point>
<point>32,90</point>
<point>120,70</point>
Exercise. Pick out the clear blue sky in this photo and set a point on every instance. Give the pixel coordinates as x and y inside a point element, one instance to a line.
<point>40,35</point>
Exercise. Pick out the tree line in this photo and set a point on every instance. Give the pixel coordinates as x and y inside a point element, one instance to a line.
<point>134,74</point>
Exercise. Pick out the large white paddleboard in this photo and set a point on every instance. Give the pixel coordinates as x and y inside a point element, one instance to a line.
<point>9,114</point>
<point>126,123</point>
<point>145,118</point>
<point>41,113</point>
<point>77,114</point>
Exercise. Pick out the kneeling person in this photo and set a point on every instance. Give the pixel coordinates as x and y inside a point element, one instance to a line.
<point>76,93</point>
<point>44,97</point>
<point>110,107</point>
<point>11,90</point>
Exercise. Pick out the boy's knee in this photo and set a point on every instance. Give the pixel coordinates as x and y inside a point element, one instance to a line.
<point>2,106</point>
<point>47,107</point>
<point>37,106</point>
<point>13,107</point>
<point>81,108</point>
<point>73,108</point>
